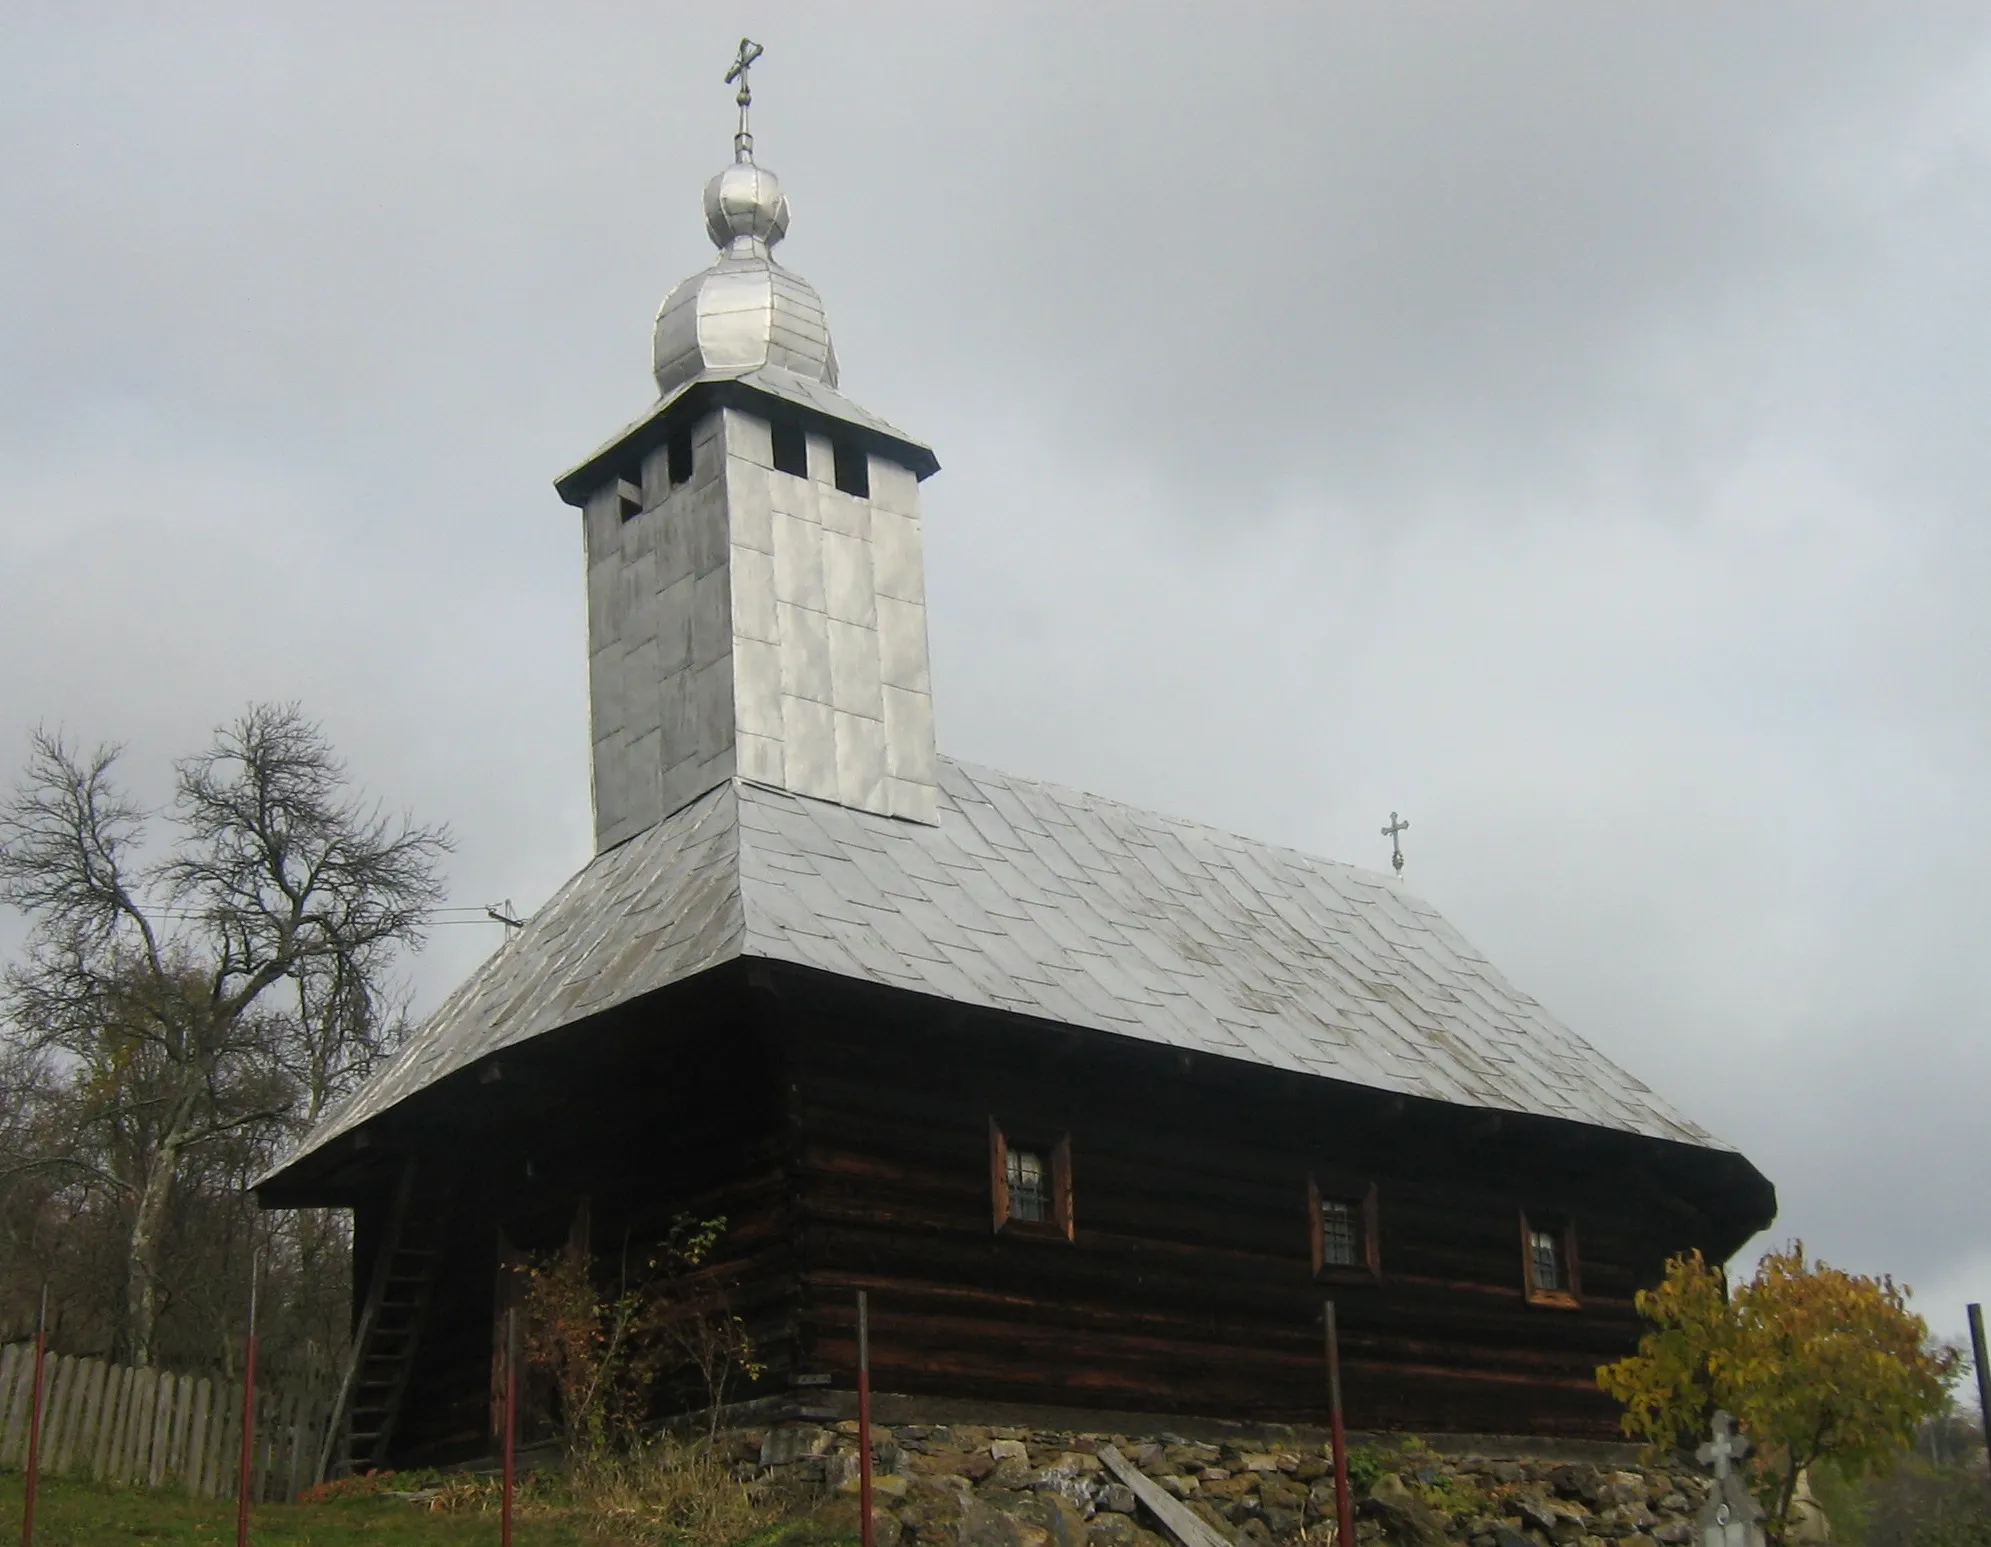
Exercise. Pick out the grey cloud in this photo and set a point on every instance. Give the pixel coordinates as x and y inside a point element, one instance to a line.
<point>1562,425</point>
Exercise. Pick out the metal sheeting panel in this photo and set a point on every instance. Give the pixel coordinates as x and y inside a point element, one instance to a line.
<point>1058,904</point>
<point>660,908</point>
<point>1051,903</point>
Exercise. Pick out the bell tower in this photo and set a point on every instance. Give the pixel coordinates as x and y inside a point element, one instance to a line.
<point>756,593</point>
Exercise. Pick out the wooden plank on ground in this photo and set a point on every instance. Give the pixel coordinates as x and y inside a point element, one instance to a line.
<point>1183,1523</point>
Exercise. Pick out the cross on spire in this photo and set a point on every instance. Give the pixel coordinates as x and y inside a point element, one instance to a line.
<point>1398,826</point>
<point>1726,1447</point>
<point>743,142</point>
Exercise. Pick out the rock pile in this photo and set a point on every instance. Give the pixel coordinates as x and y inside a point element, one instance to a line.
<point>967,1486</point>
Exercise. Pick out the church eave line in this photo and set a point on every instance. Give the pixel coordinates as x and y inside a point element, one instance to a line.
<point>746,872</point>
<point>625,453</point>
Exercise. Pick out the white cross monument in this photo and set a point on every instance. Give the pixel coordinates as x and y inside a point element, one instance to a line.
<point>1731,1516</point>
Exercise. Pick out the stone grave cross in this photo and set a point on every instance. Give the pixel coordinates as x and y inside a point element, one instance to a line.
<point>1731,1516</point>
<point>1726,1446</point>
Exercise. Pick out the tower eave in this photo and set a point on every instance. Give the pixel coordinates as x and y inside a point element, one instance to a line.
<point>769,393</point>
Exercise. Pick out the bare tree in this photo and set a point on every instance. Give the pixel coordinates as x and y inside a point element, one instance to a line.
<point>214,996</point>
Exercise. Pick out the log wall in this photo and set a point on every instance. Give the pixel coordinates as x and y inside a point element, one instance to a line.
<point>842,1130</point>
<point>672,1111</point>
<point>1188,1285</point>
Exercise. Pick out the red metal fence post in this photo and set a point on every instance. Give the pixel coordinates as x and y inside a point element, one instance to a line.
<point>243,1488</point>
<point>1344,1508</point>
<point>32,1485</point>
<point>1976,1315</point>
<point>511,1424</point>
<point>864,1418</point>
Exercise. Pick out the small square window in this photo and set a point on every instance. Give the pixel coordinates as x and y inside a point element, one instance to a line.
<point>628,499</point>
<point>853,469</point>
<point>1342,1222</point>
<point>1029,1174</point>
<point>677,454</point>
<point>1546,1255</point>
<point>1340,1233</point>
<point>791,449</point>
<point>1548,1261</point>
<point>1030,1182</point>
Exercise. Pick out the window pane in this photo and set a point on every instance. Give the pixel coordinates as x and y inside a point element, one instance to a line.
<point>1340,1239</point>
<point>1548,1259</point>
<point>1029,1185</point>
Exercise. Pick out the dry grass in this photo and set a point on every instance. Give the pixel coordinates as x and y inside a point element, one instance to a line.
<point>84,1514</point>
<point>671,1493</point>
<point>667,1491</point>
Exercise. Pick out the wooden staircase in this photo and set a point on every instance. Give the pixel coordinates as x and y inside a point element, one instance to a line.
<point>390,1326</point>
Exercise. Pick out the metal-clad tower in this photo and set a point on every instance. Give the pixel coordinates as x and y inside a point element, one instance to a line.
<point>756,599</point>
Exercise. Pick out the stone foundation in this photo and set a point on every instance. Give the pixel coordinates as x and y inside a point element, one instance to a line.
<point>964,1485</point>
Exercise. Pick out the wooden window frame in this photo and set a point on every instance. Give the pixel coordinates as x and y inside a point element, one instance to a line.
<point>1060,1226</point>
<point>1563,1228</point>
<point>1370,1269</point>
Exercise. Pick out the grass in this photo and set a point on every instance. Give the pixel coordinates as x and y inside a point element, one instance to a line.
<point>78,1514</point>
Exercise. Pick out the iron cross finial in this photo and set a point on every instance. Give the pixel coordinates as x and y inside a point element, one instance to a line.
<point>1398,826</point>
<point>743,142</point>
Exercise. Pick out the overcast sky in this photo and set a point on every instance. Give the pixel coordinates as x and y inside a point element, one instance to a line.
<point>1563,424</point>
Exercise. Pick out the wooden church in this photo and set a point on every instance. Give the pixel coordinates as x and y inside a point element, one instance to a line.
<point>1097,1105</point>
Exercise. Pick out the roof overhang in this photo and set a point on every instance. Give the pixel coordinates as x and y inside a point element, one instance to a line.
<point>1051,904</point>
<point>772,394</point>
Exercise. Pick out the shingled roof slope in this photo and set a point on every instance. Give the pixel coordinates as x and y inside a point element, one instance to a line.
<point>1051,903</point>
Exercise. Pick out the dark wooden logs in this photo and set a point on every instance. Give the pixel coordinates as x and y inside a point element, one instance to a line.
<point>844,1134</point>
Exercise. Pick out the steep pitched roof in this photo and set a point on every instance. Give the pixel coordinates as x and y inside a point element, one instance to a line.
<point>1051,903</point>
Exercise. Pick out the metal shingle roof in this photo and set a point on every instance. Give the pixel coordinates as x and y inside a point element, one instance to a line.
<point>1053,903</point>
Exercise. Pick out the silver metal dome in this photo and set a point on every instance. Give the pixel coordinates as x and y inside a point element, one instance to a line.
<point>746,311</point>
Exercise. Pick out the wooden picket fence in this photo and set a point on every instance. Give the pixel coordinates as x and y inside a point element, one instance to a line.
<point>154,1429</point>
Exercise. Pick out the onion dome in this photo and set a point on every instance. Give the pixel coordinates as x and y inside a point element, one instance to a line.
<point>745,312</point>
